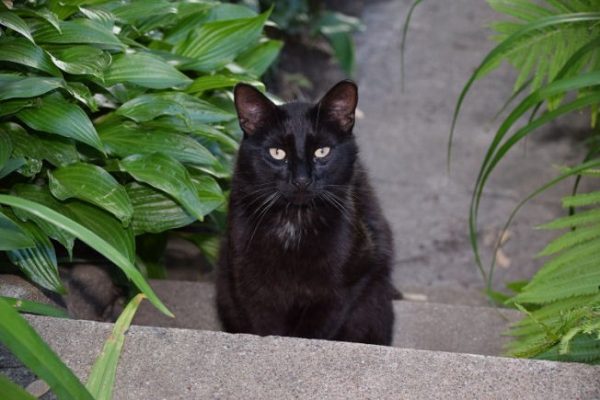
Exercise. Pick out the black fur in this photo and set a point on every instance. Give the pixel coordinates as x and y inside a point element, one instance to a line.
<point>307,251</point>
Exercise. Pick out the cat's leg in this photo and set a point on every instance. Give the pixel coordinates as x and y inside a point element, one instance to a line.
<point>320,320</point>
<point>371,320</point>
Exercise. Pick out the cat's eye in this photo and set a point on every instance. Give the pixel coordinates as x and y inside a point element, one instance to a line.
<point>322,152</point>
<point>276,153</point>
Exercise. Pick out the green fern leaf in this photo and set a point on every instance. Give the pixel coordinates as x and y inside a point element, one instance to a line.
<point>570,239</point>
<point>579,200</point>
<point>578,219</point>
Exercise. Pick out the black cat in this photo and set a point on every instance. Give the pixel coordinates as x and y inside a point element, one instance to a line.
<point>307,251</point>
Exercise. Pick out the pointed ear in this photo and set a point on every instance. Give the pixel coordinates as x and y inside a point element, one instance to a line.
<point>339,104</point>
<point>253,108</point>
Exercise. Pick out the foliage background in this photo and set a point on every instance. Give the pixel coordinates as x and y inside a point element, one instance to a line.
<point>555,46</point>
<point>119,116</point>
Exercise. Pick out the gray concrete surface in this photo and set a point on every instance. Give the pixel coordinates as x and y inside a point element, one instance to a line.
<point>403,138</point>
<point>20,288</point>
<point>159,363</point>
<point>419,325</point>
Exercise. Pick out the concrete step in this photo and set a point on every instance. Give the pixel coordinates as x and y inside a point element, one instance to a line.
<point>168,363</point>
<point>419,325</point>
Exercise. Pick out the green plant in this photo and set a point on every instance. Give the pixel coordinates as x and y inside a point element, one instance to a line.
<point>555,45</point>
<point>116,126</point>
<point>116,123</point>
<point>306,16</point>
<point>19,337</point>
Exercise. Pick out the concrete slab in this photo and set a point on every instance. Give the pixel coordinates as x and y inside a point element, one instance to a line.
<point>419,325</point>
<point>159,363</point>
<point>403,137</point>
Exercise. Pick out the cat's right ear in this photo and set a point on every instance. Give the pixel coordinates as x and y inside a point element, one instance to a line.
<point>253,108</point>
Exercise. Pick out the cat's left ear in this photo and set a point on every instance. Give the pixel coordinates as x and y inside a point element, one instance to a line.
<point>339,105</point>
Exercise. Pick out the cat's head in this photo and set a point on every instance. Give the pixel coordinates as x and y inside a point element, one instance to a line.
<point>299,151</point>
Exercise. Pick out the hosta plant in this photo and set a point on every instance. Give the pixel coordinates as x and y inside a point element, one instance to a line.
<point>116,123</point>
<point>555,46</point>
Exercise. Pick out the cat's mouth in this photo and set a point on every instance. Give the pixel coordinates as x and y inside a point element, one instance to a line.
<point>300,198</point>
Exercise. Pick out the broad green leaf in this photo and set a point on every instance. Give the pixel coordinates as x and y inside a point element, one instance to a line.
<point>258,59</point>
<point>209,192</point>
<point>6,148</point>
<point>55,115</point>
<point>42,13</point>
<point>55,149</point>
<point>102,377</point>
<point>144,70</point>
<point>80,30</point>
<point>13,21</point>
<point>208,244</point>
<point>22,51</point>
<point>154,211</point>
<point>38,262</point>
<point>343,49</point>
<point>125,139</point>
<point>24,342</point>
<point>220,81</point>
<point>82,93</point>
<point>207,135</point>
<point>134,11</point>
<point>190,109</point>
<point>41,195</point>
<point>14,106</point>
<point>13,391</point>
<point>12,236</point>
<point>80,59</point>
<point>215,44</point>
<point>29,87</point>
<point>33,307</point>
<point>105,225</point>
<point>167,174</point>
<point>91,239</point>
<point>93,184</point>
<point>225,11</point>
<point>193,15</point>
<point>103,17</point>
<point>11,166</point>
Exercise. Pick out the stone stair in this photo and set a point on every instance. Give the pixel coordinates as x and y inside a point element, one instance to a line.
<point>172,363</point>
<point>419,325</point>
<point>439,351</point>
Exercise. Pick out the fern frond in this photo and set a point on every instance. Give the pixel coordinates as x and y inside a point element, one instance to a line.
<point>588,250</point>
<point>570,239</point>
<point>583,348</point>
<point>542,53</point>
<point>580,200</point>
<point>578,219</point>
<point>583,283</point>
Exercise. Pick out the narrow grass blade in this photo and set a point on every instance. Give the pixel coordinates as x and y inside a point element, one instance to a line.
<point>23,341</point>
<point>403,42</point>
<point>92,240</point>
<point>13,391</point>
<point>102,378</point>
<point>496,54</point>
<point>33,307</point>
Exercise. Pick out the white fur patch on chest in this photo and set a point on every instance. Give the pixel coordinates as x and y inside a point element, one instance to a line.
<point>289,234</point>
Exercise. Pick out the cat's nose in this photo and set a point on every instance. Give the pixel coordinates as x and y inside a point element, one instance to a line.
<point>302,182</point>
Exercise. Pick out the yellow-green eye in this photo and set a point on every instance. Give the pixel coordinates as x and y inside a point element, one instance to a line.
<point>322,152</point>
<point>276,153</point>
